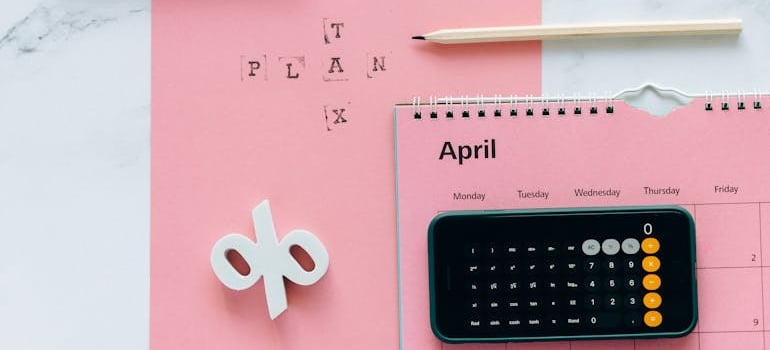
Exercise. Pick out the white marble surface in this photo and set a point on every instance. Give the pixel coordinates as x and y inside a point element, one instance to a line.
<point>74,174</point>
<point>695,65</point>
<point>74,144</point>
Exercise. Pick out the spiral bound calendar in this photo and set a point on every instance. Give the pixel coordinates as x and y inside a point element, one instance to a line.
<point>711,157</point>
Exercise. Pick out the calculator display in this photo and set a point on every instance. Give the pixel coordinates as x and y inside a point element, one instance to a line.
<point>499,276</point>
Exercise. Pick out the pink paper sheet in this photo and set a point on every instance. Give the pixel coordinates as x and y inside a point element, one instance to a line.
<point>244,108</point>
<point>691,149</point>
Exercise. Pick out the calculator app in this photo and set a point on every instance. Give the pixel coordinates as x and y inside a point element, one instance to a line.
<point>561,274</point>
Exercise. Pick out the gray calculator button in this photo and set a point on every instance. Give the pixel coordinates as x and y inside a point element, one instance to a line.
<point>610,246</point>
<point>630,246</point>
<point>591,247</point>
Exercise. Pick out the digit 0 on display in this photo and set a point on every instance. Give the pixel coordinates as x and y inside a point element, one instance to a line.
<point>562,274</point>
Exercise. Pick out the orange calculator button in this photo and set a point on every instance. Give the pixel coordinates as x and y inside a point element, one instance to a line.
<point>651,282</point>
<point>651,264</point>
<point>653,318</point>
<point>650,245</point>
<point>652,300</point>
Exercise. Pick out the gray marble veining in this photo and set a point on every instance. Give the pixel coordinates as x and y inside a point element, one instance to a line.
<point>50,23</point>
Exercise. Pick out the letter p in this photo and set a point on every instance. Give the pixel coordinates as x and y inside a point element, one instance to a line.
<point>465,153</point>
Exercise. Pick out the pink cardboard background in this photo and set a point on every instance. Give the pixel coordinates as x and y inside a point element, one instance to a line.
<point>222,141</point>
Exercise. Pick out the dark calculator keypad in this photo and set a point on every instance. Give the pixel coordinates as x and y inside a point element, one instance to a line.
<point>508,276</point>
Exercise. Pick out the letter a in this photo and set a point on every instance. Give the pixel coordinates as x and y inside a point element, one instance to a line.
<point>336,63</point>
<point>447,150</point>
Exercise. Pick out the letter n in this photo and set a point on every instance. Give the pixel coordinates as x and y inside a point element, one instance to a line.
<point>376,65</point>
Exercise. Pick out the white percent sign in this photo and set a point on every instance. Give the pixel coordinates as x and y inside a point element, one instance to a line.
<point>269,258</point>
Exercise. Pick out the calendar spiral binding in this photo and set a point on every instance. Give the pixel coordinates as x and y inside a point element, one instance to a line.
<point>450,107</point>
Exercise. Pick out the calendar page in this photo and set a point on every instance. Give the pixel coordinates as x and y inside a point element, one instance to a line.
<point>711,157</point>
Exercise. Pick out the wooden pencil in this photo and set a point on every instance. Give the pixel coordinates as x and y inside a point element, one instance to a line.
<point>583,31</point>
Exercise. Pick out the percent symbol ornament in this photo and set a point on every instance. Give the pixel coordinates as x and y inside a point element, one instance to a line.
<point>269,258</point>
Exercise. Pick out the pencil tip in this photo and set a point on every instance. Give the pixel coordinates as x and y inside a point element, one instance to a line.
<point>419,37</point>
